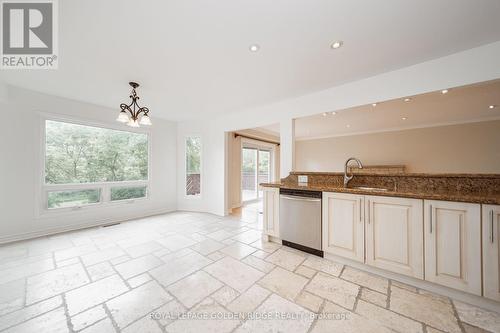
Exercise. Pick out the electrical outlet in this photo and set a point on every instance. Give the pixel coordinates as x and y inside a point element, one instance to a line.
<point>302,179</point>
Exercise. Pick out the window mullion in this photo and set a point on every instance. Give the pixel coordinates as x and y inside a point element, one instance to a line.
<point>105,193</point>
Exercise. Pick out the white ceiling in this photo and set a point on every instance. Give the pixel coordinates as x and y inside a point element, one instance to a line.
<point>192,59</point>
<point>459,105</point>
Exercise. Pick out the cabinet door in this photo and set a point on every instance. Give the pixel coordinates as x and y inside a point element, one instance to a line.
<point>271,212</point>
<point>453,244</point>
<point>394,234</point>
<point>491,250</point>
<point>343,225</point>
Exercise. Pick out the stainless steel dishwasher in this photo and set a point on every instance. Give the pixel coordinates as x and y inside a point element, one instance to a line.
<point>300,220</point>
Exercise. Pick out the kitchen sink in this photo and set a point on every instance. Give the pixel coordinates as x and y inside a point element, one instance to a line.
<point>374,189</point>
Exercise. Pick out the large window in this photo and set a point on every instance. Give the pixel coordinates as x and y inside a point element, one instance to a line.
<point>86,165</point>
<point>193,166</point>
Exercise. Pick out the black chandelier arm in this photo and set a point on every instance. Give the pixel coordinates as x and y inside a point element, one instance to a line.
<point>144,110</point>
<point>126,107</point>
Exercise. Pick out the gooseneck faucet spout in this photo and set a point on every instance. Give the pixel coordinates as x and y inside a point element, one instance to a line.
<point>348,178</point>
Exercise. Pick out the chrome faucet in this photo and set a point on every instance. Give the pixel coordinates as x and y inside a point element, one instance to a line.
<point>347,178</point>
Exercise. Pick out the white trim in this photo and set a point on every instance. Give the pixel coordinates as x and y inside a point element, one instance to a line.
<point>195,196</point>
<point>41,209</point>
<point>398,129</point>
<point>80,226</point>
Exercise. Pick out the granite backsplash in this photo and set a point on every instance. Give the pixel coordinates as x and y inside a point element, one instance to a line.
<point>470,184</point>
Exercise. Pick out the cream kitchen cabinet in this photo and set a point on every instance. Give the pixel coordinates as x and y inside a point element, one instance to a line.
<point>343,225</point>
<point>394,234</point>
<point>271,211</point>
<point>390,228</point>
<point>491,249</point>
<point>452,233</point>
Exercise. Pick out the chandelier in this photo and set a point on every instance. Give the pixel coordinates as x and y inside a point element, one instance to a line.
<point>130,113</point>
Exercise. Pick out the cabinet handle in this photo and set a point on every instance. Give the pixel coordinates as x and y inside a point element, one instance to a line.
<point>492,239</point>
<point>360,204</point>
<point>430,219</point>
<point>368,217</point>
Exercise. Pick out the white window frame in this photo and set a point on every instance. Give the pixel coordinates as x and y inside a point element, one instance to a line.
<point>105,187</point>
<point>196,196</point>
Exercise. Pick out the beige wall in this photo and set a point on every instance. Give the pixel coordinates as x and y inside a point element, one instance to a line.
<point>466,148</point>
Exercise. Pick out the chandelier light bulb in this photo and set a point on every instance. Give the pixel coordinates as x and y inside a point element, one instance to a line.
<point>133,123</point>
<point>122,117</point>
<point>145,120</point>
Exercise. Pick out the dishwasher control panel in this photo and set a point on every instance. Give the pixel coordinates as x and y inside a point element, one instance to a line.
<point>301,193</point>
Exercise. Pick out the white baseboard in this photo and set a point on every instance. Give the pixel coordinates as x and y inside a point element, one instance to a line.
<point>73,227</point>
<point>429,286</point>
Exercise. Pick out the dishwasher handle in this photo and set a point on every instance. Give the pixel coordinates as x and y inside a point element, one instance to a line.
<point>296,198</point>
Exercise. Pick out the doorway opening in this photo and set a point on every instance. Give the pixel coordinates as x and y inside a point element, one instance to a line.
<point>254,157</point>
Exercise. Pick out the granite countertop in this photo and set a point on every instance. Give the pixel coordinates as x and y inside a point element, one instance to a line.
<point>399,174</point>
<point>493,199</point>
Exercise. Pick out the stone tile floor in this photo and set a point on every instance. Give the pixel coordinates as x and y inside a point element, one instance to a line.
<point>191,272</point>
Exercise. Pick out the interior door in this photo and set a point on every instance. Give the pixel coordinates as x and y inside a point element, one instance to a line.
<point>394,234</point>
<point>453,244</point>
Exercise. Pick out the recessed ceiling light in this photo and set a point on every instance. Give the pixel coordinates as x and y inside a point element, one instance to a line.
<point>492,106</point>
<point>444,91</point>
<point>254,47</point>
<point>404,118</point>
<point>374,104</point>
<point>337,44</point>
<point>407,99</point>
<point>334,113</point>
<point>348,126</point>
<point>324,114</point>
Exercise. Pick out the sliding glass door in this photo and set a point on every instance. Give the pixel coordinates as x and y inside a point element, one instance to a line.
<point>255,169</point>
<point>264,160</point>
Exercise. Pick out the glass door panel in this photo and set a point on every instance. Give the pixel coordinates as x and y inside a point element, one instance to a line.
<point>249,174</point>
<point>264,168</point>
